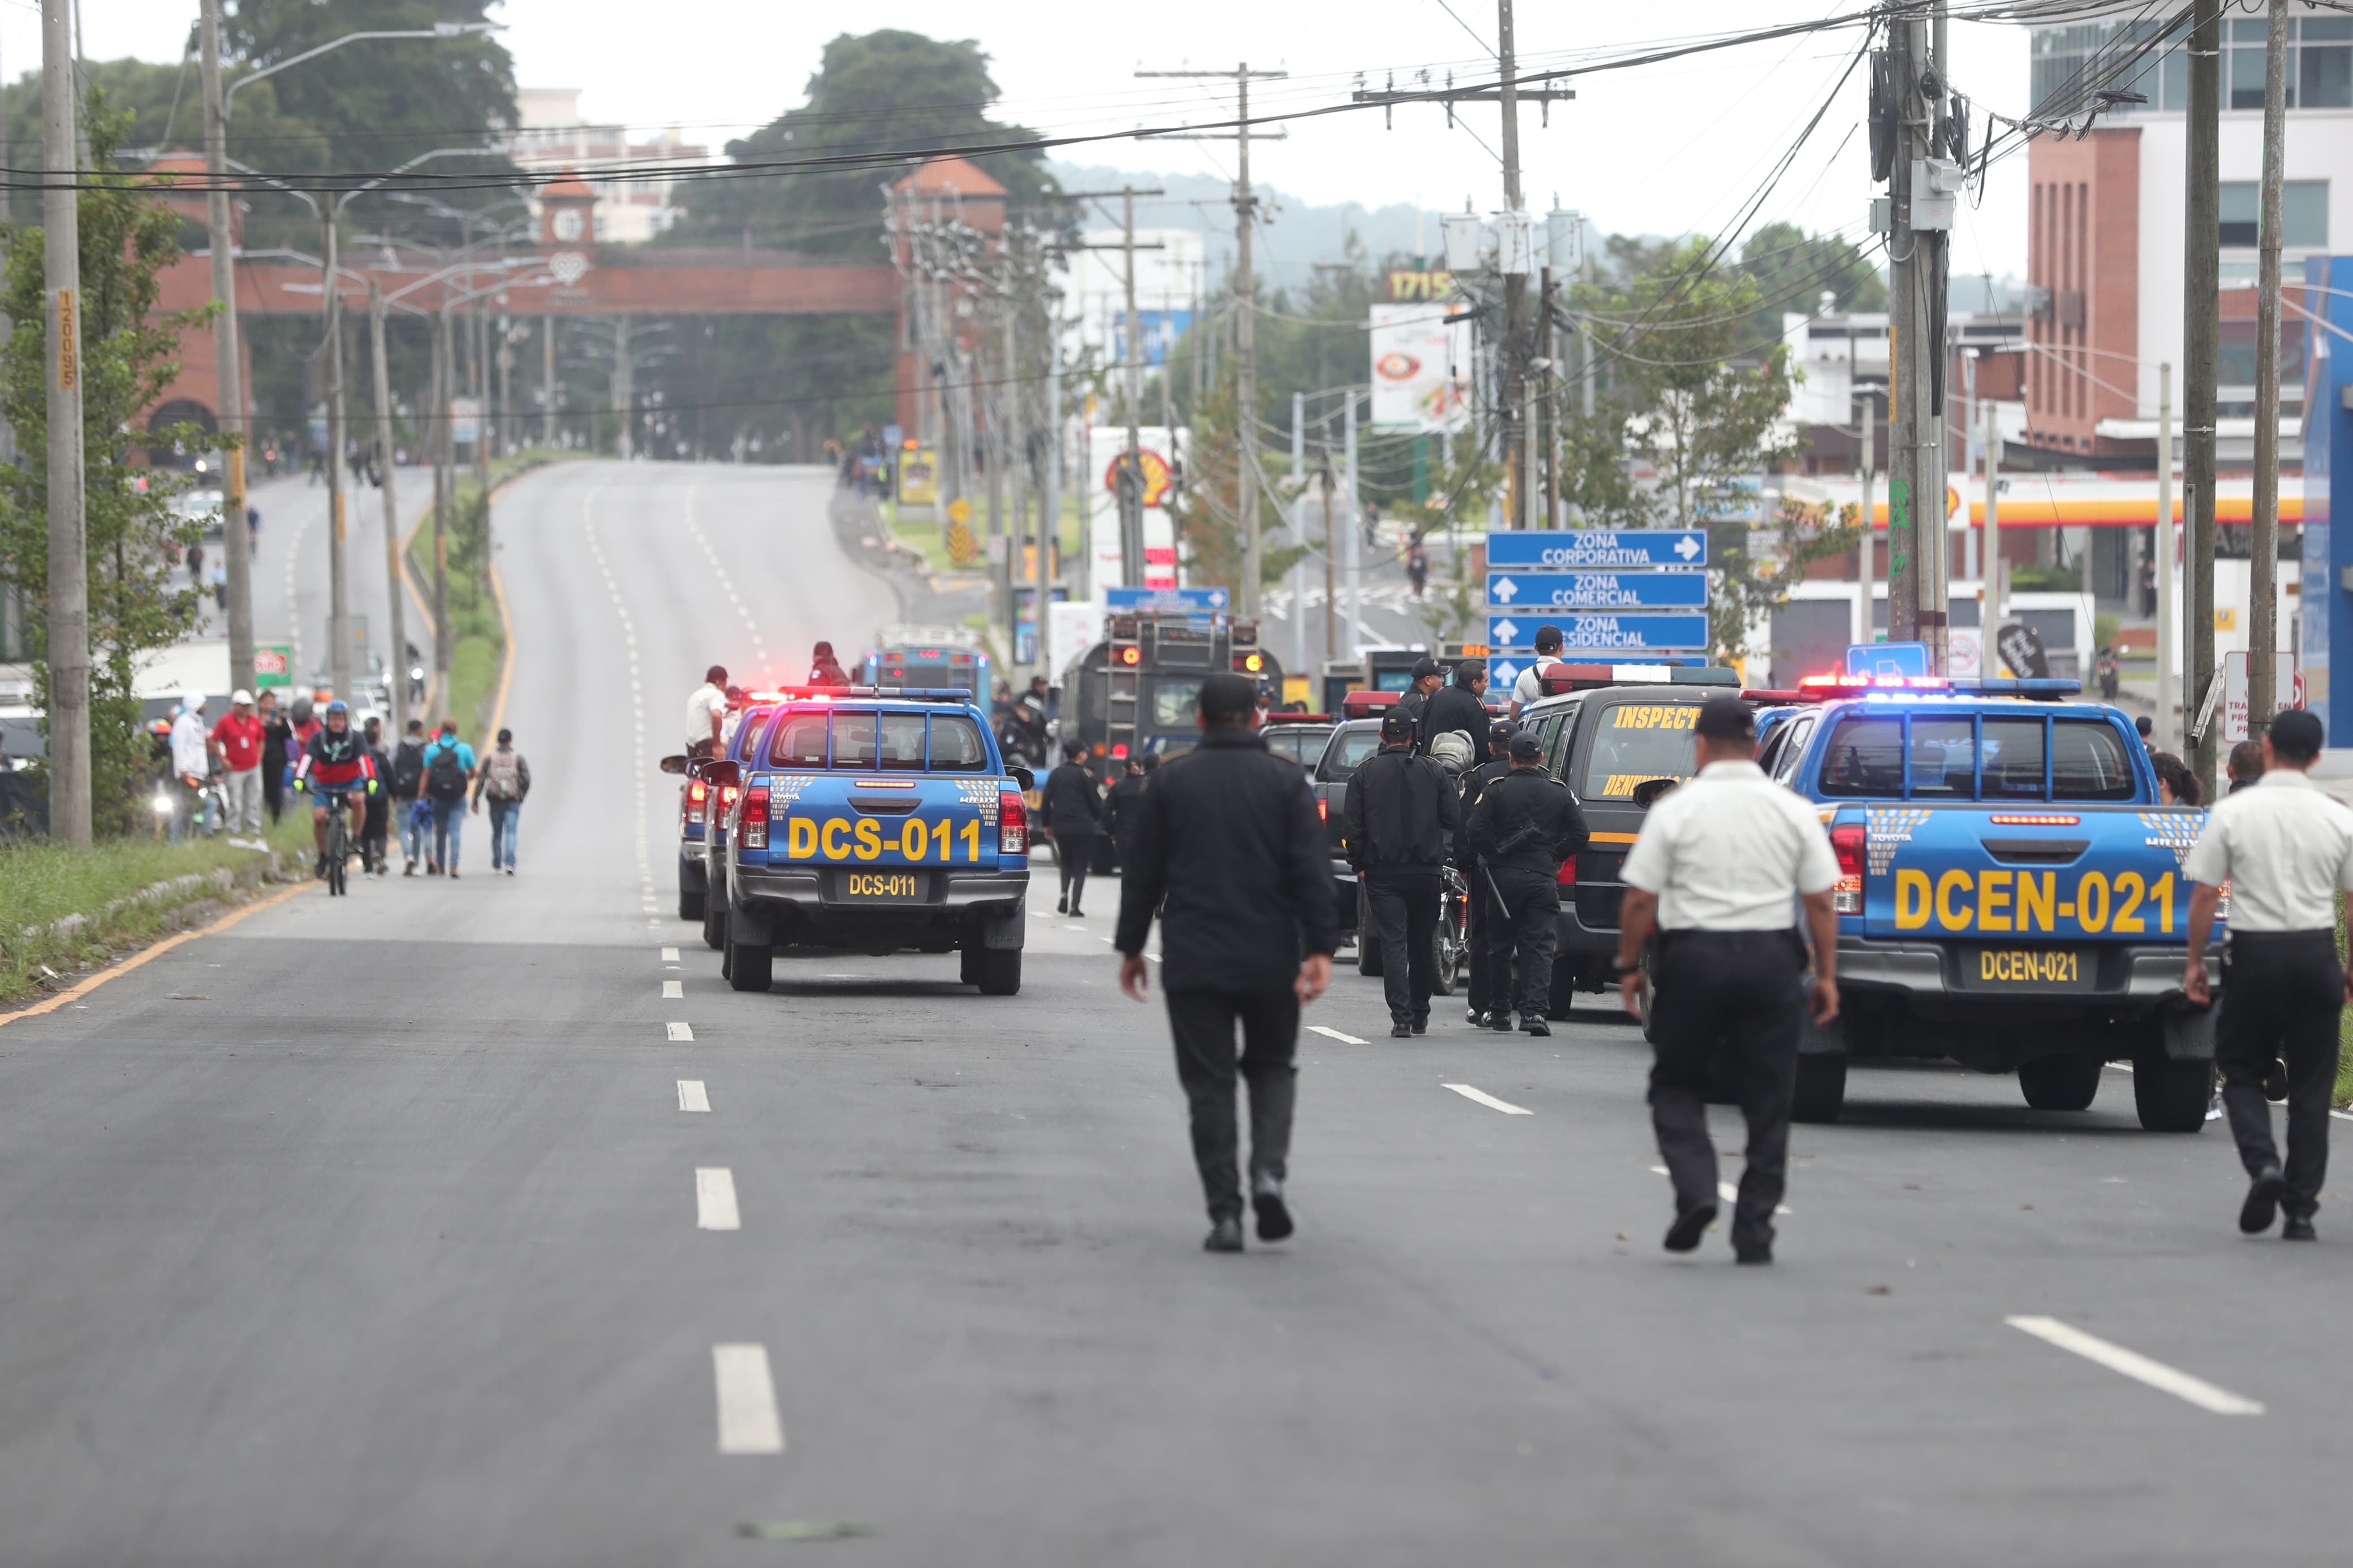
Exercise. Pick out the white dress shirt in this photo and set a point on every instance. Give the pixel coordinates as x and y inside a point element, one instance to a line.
<point>2285,846</point>
<point>706,700</point>
<point>1731,851</point>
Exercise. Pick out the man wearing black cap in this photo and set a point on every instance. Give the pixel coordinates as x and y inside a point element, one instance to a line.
<point>1482,991</point>
<point>1523,827</point>
<point>2286,849</point>
<point>1427,679</point>
<point>1461,706</point>
<point>1228,851</point>
<point>1718,867</point>
<point>1398,823</point>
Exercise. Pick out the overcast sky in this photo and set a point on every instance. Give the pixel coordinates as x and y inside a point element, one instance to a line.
<point>1668,148</point>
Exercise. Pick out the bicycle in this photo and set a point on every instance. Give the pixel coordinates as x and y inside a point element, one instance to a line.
<point>339,843</point>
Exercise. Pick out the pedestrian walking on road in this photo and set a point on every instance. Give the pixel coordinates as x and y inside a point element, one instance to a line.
<point>1399,822</point>
<point>449,764</point>
<point>376,819</point>
<point>504,778</point>
<point>1127,800</point>
<point>1720,864</point>
<point>1071,812</point>
<point>2286,850</point>
<point>1461,706</point>
<point>277,749</point>
<point>1525,825</point>
<point>1229,852</point>
<point>236,742</point>
<point>1482,991</point>
<point>416,814</point>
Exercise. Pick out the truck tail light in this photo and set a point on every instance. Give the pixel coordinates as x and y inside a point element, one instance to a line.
<point>1012,825</point>
<point>1847,840</point>
<point>698,803</point>
<point>1323,809</point>
<point>754,824</point>
<point>1566,875</point>
<point>728,796</point>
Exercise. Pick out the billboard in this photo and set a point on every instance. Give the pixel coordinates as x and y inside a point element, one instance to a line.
<point>1156,332</point>
<point>1414,384</point>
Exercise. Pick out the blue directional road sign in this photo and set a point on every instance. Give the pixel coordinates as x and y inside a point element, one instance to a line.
<point>1503,670</point>
<point>1537,592</point>
<point>1584,636</point>
<point>1598,547</point>
<point>1166,599</point>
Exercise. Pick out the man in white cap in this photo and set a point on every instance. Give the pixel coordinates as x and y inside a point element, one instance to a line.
<point>192,761</point>
<point>237,741</point>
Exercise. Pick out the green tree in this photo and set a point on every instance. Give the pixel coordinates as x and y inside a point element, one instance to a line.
<point>1793,269</point>
<point>127,238</point>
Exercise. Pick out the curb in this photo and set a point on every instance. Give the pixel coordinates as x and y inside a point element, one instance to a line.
<point>82,988</point>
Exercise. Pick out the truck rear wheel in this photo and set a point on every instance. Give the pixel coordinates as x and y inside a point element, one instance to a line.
<point>1821,1090</point>
<point>750,968</point>
<point>2171,1096</point>
<point>715,922</point>
<point>995,969</point>
<point>689,897</point>
<point>2064,1083</point>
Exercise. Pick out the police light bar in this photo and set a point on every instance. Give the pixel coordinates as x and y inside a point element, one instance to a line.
<point>895,693</point>
<point>1820,688</point>
<point>1298,718</point>
<point>1363,704</point>
<point>1586,676</point>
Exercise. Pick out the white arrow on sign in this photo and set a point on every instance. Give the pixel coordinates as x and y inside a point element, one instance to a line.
<point>1217,598</point>
<point>1686,547</point>
<point>1506,590</point>
<point>1507,630</point>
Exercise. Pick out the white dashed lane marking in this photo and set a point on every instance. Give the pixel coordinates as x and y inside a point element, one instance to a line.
<point>670,955</point>
<point>748,1422</point>
<point>693,1095</point>
<point>679,1031</point>
<point>1467,1092</point>
<point>714,1199</point>
<point>2136,1366</point>
<point>673,991</point>
<point>1335,1035</point>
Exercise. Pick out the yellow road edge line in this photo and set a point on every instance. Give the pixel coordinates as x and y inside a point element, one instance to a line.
<point>80,989</point>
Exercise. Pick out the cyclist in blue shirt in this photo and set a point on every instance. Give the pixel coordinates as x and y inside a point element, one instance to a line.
<point>448,769</point>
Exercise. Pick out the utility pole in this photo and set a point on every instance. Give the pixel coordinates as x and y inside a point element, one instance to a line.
<point>1356,519</point>
<point>2169,618</point>
<point>1331,595</point>
<point>1245,322</point>
<point>1298,529</point>
<point>445,497</point>
<point>1994,586</point>
<point>1868,632</point>
<point>68,585</point>
<point>2201,330</point>
<point>339,653</point>
<point>1517,415</point>
<point>547,381</point>
<point>395,629</point>
<point>2263,578</point>
<point>237,544</point>
<point>624,393</point>
<point>1130,477</point>
<point>1918,546</point>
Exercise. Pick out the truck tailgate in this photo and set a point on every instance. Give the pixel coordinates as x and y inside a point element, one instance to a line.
<point>2068,874</point>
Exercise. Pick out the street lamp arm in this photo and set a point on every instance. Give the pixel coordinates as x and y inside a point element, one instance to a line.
<point>444,30</point>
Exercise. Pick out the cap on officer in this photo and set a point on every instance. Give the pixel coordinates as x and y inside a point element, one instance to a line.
<point>1526,747</point>
<point>1725,718</point>
<point>1227,699</point>
<point>1396,725</point>
<point>1425,666</point>
<point>2296,735</point>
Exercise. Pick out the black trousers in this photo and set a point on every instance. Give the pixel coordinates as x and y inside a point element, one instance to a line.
<point>1073,852</point>
<point>1521,934</point>
<point>1477,914</point>
<point>1401,905</point>
<point>1735,994</point>
<point>2281,995</point>
<point>1203,1024</point>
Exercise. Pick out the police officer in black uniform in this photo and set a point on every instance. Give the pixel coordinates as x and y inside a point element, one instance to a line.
<point>1523,827</point>
<point>1481,990</point>
<point>1400,817</point>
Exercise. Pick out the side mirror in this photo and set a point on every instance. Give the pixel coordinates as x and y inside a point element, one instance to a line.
<point>723,775</point>
<point>676,764</point>
<point>1022,776</point>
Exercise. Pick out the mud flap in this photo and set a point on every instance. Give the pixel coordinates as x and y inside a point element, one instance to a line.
<point>745,924</point>
<point>1000,933</point>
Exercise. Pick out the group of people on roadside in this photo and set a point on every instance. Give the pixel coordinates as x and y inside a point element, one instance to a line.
<point>433,778</point>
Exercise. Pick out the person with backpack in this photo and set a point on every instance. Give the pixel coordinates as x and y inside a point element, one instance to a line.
<point>1529,687</point>
<point>505,778</point>
<point>376,821</point>
<point>416,816</point>
<point>449,764</point>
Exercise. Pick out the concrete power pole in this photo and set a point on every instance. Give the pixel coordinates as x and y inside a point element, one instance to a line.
<point>1918,547</point>
<point>68,587</point>
<point>395,629</point>
<point>1131,477</point>
<point>2263,578</point>
<point>339,649</point>
<point>1515,283</point>
<point>1245,324</point>
<point>445,496</point>
<point>2201,330</point>
<point>237,545</point>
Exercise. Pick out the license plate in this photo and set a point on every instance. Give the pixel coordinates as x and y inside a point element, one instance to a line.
<point>2027,968</point>
<point>882,887</point>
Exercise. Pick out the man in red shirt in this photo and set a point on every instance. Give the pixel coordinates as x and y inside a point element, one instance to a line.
<point>237,741</point>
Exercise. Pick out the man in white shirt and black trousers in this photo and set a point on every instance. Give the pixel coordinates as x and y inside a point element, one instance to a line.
<point>2285,849</point>
<point>1721,865</point>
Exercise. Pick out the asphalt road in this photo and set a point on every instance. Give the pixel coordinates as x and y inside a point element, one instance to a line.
<point>371,1232</point>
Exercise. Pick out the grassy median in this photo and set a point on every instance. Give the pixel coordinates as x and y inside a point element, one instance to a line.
<point>43,882</point>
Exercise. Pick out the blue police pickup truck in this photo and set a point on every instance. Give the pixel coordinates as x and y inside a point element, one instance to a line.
<point>2011,893</point>
<point>875,819</point>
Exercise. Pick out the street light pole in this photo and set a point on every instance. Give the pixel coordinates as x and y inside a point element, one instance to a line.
<point>69,581</point>
<point>395,629</point>
<point>228,397</point>
<point>339,652</point>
